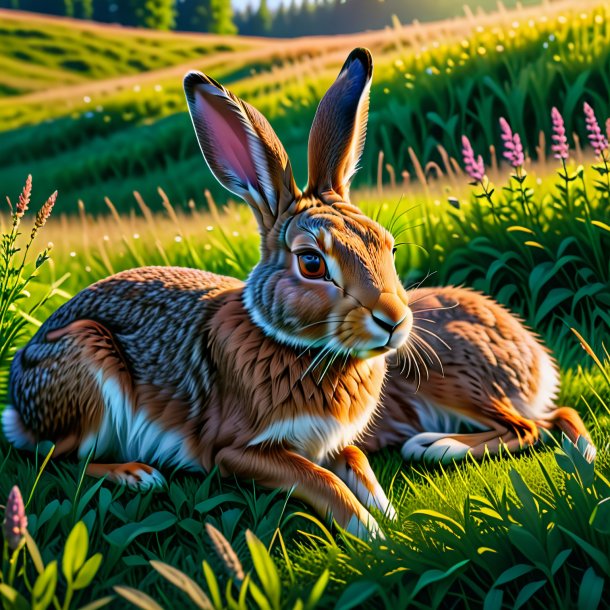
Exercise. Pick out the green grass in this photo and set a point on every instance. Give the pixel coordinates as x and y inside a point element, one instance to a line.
<point>41,53</point>
<point>430,86</point>
<point>466,536</point>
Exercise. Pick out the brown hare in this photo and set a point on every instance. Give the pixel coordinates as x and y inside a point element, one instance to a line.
<point>274,379</point>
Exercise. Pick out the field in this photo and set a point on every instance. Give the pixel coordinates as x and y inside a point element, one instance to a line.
<point>523,531</point>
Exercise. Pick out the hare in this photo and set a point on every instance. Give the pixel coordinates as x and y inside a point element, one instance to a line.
<point>272,379</point>
<point>278,378</point>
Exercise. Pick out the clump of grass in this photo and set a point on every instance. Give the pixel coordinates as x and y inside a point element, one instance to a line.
<point>18,270</point>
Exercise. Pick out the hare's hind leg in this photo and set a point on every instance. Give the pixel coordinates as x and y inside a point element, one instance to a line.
<point>57,391</point>
<point>132,474</point>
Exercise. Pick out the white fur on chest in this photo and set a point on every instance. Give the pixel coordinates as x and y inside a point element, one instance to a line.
<point>316,436</point>
<point>132,436</point>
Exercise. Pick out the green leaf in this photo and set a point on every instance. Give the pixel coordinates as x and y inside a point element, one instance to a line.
<point>527,592</point>
<point>184,583</point>
<point>87,573</point>
<point>44,587</point>
<point>555,297</point>
<point>432,576</point>
<point>13,599</point>
<point>317,590</point>
<point>156,522</point>
<point>493,600</point>
<point>137,598</point>
<point>434,515</point>
<point>265,569</point>
<point>512,573</point>
<point>212,582</point>
<point>598,556</point>
<point>590,592</point>
<point>34,552</point>
<point>75,551</point>
<point>560,560</point>
<point>356,594</point>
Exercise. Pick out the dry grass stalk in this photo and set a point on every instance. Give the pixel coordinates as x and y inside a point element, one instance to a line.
<point>226,553</point>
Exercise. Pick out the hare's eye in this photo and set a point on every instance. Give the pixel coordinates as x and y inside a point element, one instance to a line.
<point>394,251</point>
<point>312,266</point>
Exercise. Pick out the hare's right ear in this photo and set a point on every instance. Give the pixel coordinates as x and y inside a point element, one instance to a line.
<point>241,148</point>
<point>339,128</point>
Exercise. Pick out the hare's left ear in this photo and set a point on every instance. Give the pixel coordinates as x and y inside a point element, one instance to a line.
<point>241,148</point>
<point>339,128</point>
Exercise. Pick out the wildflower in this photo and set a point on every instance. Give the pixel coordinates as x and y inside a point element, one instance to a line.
<point>560,141</point>
<point>513,149</point>
<point>15,520</point>
<point>475,168</point>
<point>24,198</point>
<point>598,140</point>
<point>43,214</point>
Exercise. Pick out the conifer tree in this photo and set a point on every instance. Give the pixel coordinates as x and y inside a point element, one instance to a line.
<point>263,20</point>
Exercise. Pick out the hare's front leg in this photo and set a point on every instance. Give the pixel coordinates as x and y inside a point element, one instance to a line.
<point>353,468</point>
<point>324,491</point>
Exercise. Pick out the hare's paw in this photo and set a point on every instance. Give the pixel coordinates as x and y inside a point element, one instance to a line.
<point>137,476</point>
<point>434,447</point>
<point>367,529</point>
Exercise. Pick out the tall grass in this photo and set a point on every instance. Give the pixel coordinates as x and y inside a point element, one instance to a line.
<point>515,532</point>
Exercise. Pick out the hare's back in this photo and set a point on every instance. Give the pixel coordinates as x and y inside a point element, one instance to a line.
<point>155,300</point>
<point>136,340</point>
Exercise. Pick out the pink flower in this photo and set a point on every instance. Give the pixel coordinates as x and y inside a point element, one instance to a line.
<point>24,198</point>
<point>15,520</point>
<point>513,149</point>
<point>598,140</point>
<point>560,141</point>
<point>475,168</point>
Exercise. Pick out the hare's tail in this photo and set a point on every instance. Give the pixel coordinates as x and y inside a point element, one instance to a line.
<point>571,424</point>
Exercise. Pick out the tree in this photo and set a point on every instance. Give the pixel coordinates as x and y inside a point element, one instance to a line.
<point>263,20</point>
<point>221,17</point>
<point>158,14</point>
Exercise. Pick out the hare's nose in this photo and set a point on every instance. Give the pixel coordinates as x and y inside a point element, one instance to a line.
<point>389,311</point>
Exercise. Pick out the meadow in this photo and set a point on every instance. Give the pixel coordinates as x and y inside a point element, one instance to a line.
<point>521,531</point>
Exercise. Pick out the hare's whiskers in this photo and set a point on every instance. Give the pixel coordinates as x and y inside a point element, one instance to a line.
<point>429,332</point>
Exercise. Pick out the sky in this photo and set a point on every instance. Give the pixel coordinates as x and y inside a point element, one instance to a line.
<point>241,4</point>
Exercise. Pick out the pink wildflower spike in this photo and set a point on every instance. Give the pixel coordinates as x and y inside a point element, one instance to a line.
<point>598,140</point>
<point>513,149</point>
<point>24,198</point>
<point>475,167</point>
<point>560,141</point>
<point>15,520</point>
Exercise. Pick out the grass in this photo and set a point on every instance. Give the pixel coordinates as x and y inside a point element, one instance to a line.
<point>470,535</point>
<point>103,136</point>
<point>60,53</point>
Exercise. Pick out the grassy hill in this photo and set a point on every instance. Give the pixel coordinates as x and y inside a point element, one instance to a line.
<point>125,131</point>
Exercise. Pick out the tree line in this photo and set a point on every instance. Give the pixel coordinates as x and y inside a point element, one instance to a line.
<point>297,18</point>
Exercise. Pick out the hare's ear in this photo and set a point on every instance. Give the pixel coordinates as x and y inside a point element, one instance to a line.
<point>241,148</point>
<point>339,127</point>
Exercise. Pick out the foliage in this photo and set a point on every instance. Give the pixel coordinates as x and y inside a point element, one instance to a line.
<point>509,532</point>
<point>17,272</point>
